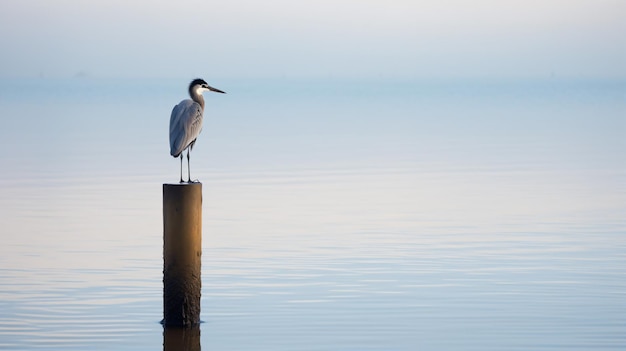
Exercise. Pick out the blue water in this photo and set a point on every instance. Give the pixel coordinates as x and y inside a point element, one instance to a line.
<point>337,215</point>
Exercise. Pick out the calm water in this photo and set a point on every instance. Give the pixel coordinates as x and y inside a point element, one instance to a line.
<point>436,215</point>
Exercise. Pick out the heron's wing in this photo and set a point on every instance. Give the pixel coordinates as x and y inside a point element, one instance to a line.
<point>185,125</point>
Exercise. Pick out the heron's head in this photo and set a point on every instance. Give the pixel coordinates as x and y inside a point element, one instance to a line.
<point>198,86</point>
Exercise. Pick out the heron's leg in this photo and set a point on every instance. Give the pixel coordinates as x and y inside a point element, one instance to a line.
<point>181,167</point>
<point>188,168</point>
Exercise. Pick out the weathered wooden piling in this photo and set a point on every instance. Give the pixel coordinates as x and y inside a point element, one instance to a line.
<point>182,251</point>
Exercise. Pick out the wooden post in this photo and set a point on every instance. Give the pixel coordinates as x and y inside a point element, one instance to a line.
<point>182,251</point>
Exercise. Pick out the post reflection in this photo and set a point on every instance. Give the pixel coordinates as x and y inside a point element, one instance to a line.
<point>181,339</point>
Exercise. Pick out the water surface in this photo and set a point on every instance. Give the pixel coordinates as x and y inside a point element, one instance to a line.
<point>447,215</point>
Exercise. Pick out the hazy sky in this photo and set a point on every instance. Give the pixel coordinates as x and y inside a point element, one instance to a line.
<point>325,38</point>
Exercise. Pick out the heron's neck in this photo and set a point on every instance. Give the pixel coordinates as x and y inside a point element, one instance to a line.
<point>195,96</point>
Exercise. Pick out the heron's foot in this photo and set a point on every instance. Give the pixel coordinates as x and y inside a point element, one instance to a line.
<point>194,181</point>
<point>181,180</point>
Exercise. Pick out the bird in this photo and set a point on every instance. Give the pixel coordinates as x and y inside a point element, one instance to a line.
<point>186,122</point>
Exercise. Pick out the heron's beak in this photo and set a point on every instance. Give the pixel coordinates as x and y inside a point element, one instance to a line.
<point>215,89</point>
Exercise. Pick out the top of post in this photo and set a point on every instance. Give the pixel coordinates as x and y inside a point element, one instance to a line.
<point>183,184</point>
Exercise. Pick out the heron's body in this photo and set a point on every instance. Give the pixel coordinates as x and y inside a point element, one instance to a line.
<point>185,126</point>
<point>186,122</point>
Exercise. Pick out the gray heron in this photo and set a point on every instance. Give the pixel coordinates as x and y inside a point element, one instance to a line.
<point>186,122</point>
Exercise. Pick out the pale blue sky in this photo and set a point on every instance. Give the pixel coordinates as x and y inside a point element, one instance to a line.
<point>322,38</point>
